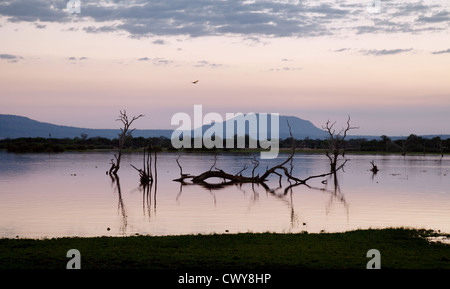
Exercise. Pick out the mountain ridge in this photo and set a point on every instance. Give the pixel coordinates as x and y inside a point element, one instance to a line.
<point>15,126</point>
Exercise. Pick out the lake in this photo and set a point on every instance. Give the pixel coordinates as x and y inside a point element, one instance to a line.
<point>69,194</point>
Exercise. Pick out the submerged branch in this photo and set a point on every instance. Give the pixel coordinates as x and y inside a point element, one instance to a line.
<point>238,178</point>
<point>146,174</point>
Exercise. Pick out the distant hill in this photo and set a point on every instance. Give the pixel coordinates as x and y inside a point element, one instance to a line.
<point>300,128</point>
<point>13,126</point>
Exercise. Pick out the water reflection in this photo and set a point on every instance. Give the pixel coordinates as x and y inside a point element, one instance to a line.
<point>68,194</point>
<point>149,206</point>
<point>287,198</point>
<point>148,191</point>
<point>115,183</point>
<point>276,188</point>
<point>336,194</point>
<point>210,188</point>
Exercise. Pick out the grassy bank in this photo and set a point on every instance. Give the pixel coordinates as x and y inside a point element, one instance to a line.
<point>399,248</point>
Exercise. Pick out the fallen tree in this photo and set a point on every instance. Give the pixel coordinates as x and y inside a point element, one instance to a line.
<point>238,178</point>
<point>230,179</point>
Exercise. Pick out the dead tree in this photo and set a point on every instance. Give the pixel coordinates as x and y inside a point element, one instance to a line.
<point>146,173</point>
<point>238,178</point>
<point>336,143</point>
<point>374,168</point>
<point>125,133</point>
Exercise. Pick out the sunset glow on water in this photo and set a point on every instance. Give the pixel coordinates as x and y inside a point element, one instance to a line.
<point>69,194</point>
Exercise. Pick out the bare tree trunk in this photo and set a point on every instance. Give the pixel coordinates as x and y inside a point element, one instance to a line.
<point>146,174</point>
<point>125,132</point>
<point>374,168</point>
<point>336,143</point>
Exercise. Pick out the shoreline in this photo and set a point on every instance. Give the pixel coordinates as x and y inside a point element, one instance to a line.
<point>239,151</point>
<point>400,248</point>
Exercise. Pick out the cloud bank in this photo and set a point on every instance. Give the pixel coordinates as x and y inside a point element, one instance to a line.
<point>276,18</point>
<point>10,58</point>
<point>383,52</point>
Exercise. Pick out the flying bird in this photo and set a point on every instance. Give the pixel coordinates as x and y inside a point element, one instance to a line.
<point>194,82</point>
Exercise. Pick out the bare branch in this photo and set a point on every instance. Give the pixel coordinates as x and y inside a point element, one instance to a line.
<point>125,132</point>
<point>238,178</point>
<point>374,167</point>
<point>178,163</point>
<point>245,167</point>
<point>255,163</point>
<point>336,142</point>
<point>215,160</point>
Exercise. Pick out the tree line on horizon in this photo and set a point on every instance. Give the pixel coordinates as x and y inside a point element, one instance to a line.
<point>410,144</point>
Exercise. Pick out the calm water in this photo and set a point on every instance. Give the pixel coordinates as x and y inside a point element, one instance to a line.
<point>69,194</point>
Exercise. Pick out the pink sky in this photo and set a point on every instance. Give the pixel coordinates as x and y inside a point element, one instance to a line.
<point>389,73</point>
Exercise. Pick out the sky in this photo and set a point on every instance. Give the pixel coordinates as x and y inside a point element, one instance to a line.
<point>386,64</point>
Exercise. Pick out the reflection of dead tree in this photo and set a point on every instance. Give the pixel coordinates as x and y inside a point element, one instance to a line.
<point>209,187</point>
<point>148,176</point>
<point>125,133</point>
<point>147,197</point>
<point>336,194</point>
<point>120,206</point>
<point>294,219</point>
<point>336,143</point>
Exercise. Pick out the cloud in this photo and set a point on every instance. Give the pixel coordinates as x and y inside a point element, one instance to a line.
<point>159,42</point>
<point>161,61</point>
<point>7,56</point>
<point>158,61</point>
<point>249,19</point>
<point>341,49</point>
<point>74,59</point>
<point>31,11</point>
<point>442,16</point>
<point>204,63</point>
<point>382,52</point>
<point>192,18</point>
<point>441,52</point>
<point>39,26</point>
<point>11,58</point>
<point>101,29</point>
<point>286,68</point>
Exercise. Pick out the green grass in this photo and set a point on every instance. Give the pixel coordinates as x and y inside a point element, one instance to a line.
<point>399,248</point>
